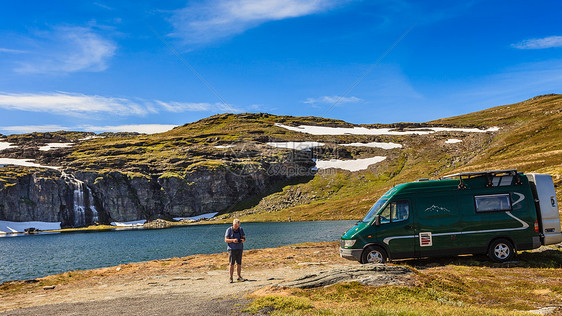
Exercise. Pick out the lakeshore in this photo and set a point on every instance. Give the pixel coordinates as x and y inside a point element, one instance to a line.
<point>198,284</point>
<point>38,255</point>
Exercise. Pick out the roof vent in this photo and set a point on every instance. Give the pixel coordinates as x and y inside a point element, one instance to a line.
<point>422,180</point>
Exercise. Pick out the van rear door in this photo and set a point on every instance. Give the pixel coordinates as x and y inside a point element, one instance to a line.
<point>547,212</point>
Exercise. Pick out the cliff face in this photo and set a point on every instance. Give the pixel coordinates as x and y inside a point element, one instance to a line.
<point>85,198</point>
<point>36,196</point>
<point>193,170</point>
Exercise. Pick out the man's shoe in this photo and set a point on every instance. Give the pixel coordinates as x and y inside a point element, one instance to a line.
<point>231,281</point>
<point>240,279</point>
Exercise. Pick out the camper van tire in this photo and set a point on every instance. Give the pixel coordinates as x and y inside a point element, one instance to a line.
<point>374,254</point>
<point>501,250</point>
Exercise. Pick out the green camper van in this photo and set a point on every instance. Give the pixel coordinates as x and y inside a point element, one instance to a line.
<point>493,212</point>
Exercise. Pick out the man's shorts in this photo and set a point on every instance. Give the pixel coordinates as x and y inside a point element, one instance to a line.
<point>235,256</point>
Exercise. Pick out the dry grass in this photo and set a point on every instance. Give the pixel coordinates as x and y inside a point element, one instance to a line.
<point>463,285</point>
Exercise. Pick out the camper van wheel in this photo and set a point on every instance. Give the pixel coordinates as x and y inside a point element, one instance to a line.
<point>501,250</point>
<point>374,254</point>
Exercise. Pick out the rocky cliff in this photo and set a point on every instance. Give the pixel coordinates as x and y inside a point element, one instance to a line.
<point>85,198</point>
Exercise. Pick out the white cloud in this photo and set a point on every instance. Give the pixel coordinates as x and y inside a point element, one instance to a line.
<point>103,6</point>
<point>139,128</point>
<point>184,106</point>
<point>12,51</point>
<point>332,100</point>
<point>206,21</point>
<point>68,49</point>
<point>540,43</point>
<point>24,129</point>
<point>80,105</point>
<point>71,104</point>
<point>173,106</point>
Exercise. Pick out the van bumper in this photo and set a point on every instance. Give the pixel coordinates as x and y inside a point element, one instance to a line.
<point>550,239</point>
<point>351,254</point>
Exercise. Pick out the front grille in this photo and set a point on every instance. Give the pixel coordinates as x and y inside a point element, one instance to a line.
<point>342,243</point>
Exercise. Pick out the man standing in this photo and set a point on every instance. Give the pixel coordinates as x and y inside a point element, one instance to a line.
<point>235,239</point>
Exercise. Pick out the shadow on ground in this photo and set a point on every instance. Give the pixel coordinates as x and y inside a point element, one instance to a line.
<point>544,257</point>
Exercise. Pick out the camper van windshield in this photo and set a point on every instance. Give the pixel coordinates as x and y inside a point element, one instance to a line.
<point>369,217</point>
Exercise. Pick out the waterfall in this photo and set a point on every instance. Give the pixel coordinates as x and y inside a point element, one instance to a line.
<point>95,218</point>
<point>80,206</point>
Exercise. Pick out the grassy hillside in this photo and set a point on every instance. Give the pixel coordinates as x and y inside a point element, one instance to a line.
<point>529,139</point>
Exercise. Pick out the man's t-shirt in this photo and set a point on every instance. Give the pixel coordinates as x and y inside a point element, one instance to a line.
<point>235,234</point>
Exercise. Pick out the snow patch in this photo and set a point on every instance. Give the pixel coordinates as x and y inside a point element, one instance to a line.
<point>129,224</point>
<point>374,145</point>
<point>24,163</point>
<point>7,227</point>
<point>224,146</point>
<point>351,165</point>
<point>91,137</point>
<point>206,216</point>
<point>453,141</point>
<point>6,145</point>
<point>324,130</point>
<point>51,146</point>
<point>296,145</point>
<point>466,130</point>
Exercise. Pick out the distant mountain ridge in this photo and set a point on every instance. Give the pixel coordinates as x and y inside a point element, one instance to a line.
<point>226,163</point>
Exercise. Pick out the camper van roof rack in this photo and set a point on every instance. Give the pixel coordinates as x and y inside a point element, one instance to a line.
<point>481,173</point>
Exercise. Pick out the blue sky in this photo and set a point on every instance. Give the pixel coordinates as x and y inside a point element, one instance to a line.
<point>146,65</point>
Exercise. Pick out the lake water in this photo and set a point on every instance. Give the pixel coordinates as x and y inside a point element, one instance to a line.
<point>33,256</point>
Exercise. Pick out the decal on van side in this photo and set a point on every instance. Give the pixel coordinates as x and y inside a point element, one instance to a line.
<point>425,239</point>
<point>521,197</point>
<point>436,209</point>
<point>523,223</point>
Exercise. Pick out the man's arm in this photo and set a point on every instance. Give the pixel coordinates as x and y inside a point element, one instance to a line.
<point>229,240</point>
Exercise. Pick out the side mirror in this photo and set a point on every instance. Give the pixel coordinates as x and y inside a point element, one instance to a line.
<point>377,220</point>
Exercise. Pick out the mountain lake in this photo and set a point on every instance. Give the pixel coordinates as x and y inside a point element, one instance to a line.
<point>33,256</point>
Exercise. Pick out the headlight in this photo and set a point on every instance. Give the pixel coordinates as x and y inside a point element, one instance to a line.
<point>349,243</point>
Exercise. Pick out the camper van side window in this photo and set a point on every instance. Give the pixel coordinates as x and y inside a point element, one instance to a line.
<point>395,212</point>
<point>492,203</point>
<point>385,214</point>
<point>399,211</point>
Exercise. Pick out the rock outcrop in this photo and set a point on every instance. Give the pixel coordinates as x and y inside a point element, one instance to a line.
<point>86,197</point>
<point>368,274</point>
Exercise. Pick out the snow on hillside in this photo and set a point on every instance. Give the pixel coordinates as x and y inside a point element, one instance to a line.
<point>351,165</point>
<point>23,162</point>
<point>374,145</point>
<point>324,130</point>
<point>453,141</point>
<point>6,145</point>
<point>51,146</point>
<point>7,227</point>
<point>296,145</point>
<point>128,224</point>
<point>206,215</point>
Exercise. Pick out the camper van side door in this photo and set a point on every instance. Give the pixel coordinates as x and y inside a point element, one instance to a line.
<point>396,229</point>
<point>438,224</point>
